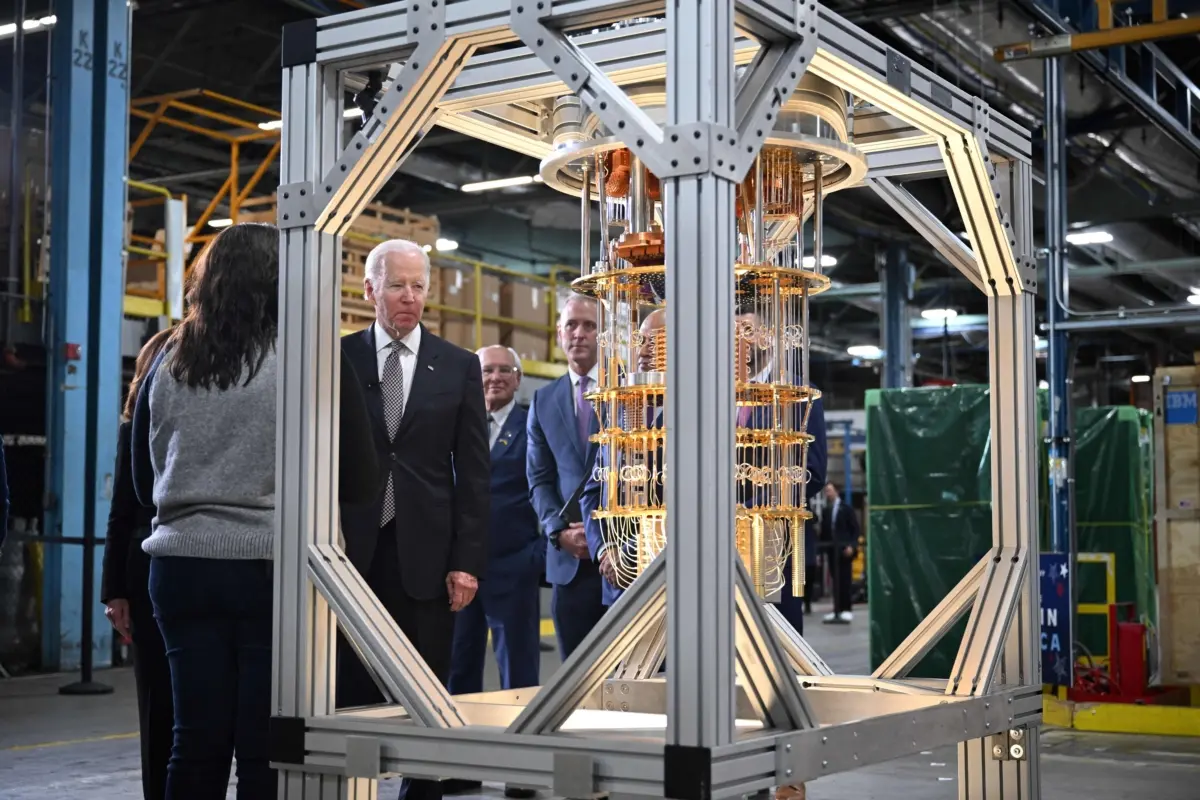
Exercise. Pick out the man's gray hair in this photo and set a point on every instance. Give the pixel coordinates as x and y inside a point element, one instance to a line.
<point>516,358</point>
<point>374,271</point>
<point>574,297</point>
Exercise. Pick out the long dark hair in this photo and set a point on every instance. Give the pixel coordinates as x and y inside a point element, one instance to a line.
<point>145,358</point>
<point>233,309</point>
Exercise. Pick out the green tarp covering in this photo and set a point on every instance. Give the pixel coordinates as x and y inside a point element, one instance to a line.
<point>929,508</point>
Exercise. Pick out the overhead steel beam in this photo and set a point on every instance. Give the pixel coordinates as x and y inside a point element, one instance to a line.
<point>1176,122</point>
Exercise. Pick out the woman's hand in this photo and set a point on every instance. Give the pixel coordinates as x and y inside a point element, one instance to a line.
<point>117,613</point>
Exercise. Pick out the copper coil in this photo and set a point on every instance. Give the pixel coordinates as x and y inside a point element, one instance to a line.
<point>653,186</point>
<point>658,344</point>
<point>641,249</point>
<point>616,164</point>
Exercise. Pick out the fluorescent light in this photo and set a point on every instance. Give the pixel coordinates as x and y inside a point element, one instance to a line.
<point>1140,379</point>
<point>276,124</point>
<point>1194,299</point>
<point>1039,343</point>
<point>866,351</point>
<point>827,261</point>
<point>30,25</point>
<point>427,247</point>
<point>500,183</point>
<point>445,245</point>
<point>220,223</point>
<point>939,314</point>
<point>1089,237</point>
<point>1043,384</point>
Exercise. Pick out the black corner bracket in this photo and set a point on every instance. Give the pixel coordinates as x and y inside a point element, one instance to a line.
<point>687,772</point>
<point>299,44</point>
<point>285,740</point>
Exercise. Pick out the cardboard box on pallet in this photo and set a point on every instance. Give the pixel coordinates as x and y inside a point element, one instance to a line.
<point>458,290</point>
<point>525,302</point>
<point>529,344</point>
<point>461,332</point>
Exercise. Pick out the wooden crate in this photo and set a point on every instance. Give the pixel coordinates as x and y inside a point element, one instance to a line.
<point>1177,521</point>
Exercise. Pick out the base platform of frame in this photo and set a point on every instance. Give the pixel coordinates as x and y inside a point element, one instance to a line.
<point>622,752</point>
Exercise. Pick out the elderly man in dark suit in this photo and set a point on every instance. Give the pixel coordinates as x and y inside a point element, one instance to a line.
<point>559,460</point>
<point>508,600</point>
<point>421,543</point>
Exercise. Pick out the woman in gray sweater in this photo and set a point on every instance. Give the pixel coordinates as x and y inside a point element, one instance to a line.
<point>204,456</point>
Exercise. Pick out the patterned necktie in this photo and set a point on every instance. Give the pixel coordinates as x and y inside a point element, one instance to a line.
<point>583,410</point>
<point>392,387</point>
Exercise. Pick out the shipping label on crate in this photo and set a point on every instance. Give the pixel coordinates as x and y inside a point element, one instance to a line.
<point>1055,574</point>
<point>1181,407</point>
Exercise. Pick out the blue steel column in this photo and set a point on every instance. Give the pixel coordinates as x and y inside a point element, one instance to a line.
<point>1057,357</point>
<point>89,106</point>
<point>897,328</point>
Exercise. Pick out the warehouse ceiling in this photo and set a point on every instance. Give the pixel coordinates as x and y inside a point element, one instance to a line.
<point>1125,176</point>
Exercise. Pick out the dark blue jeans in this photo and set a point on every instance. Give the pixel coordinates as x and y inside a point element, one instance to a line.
<point>215,618</point>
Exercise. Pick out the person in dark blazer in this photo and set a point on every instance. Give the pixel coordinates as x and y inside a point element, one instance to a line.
<point>421,542</point>
<point>839,529</point>
<point>559,460</point>
<point>508,601</point>
<point>125,591</point>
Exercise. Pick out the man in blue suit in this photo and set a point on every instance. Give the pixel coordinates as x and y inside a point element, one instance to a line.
<point>509,594</point>
<point>559,460</point>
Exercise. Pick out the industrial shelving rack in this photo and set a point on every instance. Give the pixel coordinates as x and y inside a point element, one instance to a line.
<point>743,707</point>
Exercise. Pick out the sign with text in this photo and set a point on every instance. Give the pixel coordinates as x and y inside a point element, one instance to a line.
<point>1181,407</point>
<point>1055,573</point>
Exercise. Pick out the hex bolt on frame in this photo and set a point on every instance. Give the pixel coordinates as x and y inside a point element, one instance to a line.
<point>747,704</point>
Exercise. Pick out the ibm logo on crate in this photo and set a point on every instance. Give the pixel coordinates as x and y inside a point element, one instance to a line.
<point>1181,407</point>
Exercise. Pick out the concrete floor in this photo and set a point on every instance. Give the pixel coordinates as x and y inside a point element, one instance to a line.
<point>55,747</point>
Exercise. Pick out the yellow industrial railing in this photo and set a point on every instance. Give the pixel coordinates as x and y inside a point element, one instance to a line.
<point>144,250</point>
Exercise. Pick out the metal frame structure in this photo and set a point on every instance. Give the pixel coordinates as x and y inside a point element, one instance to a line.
<point>746,704</point>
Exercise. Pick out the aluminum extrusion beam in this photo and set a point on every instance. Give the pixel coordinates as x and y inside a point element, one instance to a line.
<point>696,751</point>
<point>948,244</point>
<point>935,625</point>
<point>306,459</point>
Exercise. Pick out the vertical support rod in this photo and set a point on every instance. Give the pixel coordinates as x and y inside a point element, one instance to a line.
<point>760,234</point>
<point>585,221</point>
<point>897,332</point>
<point>16,170</point>
<point>306,466</point>
<point>700,398</point>
<point>639,203</point>
<point>601,177</point>
<point>1058,373</point>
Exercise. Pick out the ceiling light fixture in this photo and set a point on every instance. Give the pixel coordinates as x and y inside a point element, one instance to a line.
<point>939,314</point>
<point>1089,237</point>
<point>500,183</point>
<point>220,223</point>
<point>446,245</point>
<point>1140,379</point>
<point>1040,343</point>
<point>30,26</point>
<point>277,124</point>
<point>868,352</point>
<point>1043,384</point>
<point>827,261</point>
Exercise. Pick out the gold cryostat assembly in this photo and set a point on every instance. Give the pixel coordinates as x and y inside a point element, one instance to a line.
<point>776,269</point>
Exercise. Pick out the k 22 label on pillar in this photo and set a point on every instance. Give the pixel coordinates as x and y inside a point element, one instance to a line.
<point>83,50</point>
<point>1057,661</point>
<point>118,67</point>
